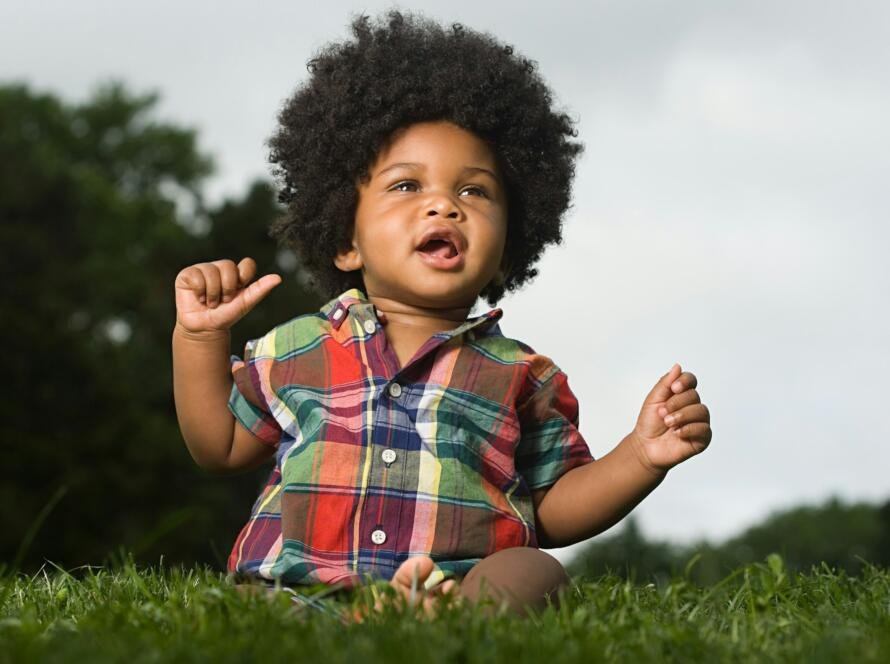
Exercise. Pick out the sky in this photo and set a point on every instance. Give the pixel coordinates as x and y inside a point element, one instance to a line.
<point>730,211</point>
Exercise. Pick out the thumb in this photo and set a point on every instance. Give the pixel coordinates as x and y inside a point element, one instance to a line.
<point>662,390</point>
<point>256,292</point>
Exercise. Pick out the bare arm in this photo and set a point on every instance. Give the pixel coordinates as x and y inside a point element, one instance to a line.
<point>673,426</point>
<point>202,381</point>
<point>591,498</point>
<point>210,297</point>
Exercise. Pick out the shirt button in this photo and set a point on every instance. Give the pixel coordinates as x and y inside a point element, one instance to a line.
<point>388,456</point>
<point>338,314</point>
<point>378,536</point>
<point>370,327</point>
<point>395,390</point>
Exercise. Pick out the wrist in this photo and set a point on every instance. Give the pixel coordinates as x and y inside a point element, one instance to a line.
<point>637,448</point>
<point>201,336</point>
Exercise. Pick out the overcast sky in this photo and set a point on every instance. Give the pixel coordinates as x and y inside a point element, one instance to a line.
<point>730,211</point>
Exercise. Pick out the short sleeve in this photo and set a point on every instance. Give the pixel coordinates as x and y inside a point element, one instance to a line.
<point>550,443</point>
<point>248,401</point>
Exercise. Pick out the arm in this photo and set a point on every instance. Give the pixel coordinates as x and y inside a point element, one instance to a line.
<point>210,298</point>
<point>673,425</point>
<point>591,498</point>
<point>202,382</point>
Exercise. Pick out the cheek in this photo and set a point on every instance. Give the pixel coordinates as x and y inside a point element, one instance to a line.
<point>499,237</point>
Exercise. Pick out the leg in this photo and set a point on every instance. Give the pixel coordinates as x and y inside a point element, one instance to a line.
<point>521,577</point>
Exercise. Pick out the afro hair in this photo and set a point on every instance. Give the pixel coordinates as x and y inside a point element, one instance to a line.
<point>401,70</point>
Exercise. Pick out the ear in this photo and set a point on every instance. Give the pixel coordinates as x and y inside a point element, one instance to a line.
<point>348,260</point>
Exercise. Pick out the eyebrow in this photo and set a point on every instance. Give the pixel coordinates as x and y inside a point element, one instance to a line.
<point>411,164</point>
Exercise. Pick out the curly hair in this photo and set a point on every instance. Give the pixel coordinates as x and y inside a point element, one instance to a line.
<point>397,72</point>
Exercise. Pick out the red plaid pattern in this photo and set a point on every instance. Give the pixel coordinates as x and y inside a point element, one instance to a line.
<point>377,462</point>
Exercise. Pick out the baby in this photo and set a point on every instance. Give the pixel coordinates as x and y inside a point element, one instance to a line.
<point>422,168</point>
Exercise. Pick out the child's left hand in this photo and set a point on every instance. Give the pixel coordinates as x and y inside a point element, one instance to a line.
<point>673,424</point>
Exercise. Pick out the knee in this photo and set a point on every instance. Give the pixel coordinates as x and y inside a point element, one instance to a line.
<point>524,561</point>
<point>526,576</point>
<point>548,567</point>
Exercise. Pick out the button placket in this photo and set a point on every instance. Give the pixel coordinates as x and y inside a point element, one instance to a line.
<point>388,456</point>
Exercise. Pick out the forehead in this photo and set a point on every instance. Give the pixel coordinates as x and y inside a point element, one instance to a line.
<point>436,143</point>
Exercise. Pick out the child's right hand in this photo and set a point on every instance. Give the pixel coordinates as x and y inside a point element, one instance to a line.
<point>211,297</point>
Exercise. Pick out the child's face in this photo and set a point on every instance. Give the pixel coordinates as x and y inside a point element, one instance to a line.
<point>431,222</point>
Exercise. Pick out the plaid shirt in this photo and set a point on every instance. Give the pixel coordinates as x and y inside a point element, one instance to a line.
<point>376,462</point>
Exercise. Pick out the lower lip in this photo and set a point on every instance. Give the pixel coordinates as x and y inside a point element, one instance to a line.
<point>440,262</point>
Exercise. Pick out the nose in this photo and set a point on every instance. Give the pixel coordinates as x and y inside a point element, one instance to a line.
<point>444,206</point>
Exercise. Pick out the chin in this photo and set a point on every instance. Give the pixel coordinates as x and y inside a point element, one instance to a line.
<point>443,298</point>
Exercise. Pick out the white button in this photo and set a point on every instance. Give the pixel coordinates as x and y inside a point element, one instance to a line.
<point>388,456</point>
<point>369,326</point>
<point>378,537</point>
<point>338,314</point>
<point>395,390</point>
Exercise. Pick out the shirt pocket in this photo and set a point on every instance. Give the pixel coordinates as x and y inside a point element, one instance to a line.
<point>484,503</point>
<point>481,436</point>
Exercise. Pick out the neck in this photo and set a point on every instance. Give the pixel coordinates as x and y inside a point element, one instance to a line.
<point>432,319</point>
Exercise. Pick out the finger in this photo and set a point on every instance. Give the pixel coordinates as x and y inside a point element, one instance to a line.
<point>256,291</point>
<point>695,413</point>
<point>662,390</point>
<point>445,588</point>
<point>191,279</point>
<point>422,566</point>
<point>246,271</point>
<point>213,283</point>
<point>698,432</point>
<point>685,381</point>
<point>678,401</point>
<point>228,275</point>
<point>431,606</point>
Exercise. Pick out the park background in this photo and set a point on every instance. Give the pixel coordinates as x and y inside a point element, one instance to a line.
<point>729,213</point>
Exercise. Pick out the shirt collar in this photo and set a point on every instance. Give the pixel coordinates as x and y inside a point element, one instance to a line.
<point>354,303</point>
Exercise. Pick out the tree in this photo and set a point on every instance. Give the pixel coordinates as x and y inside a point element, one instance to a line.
<point>627,554</point>
<point>841,535</point>
<point>838,534</point>
<point>100,207</point>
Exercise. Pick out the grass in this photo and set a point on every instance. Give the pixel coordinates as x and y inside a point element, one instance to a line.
<point>760,612</point>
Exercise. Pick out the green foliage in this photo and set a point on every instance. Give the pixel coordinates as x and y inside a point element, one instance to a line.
<point>759,612</point>
<point>629,555</point>
<point>100,207</point>
<point>838,535</point>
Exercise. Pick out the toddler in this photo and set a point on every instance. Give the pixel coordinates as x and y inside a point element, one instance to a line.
<point>421,169</point>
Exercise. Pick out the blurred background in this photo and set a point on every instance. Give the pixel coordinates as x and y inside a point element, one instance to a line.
<point>730,213</point>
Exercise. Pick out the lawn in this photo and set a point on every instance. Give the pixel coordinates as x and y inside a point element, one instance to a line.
<point>760,612</point>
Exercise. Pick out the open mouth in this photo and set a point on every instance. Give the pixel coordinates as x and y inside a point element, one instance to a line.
<point>440,248</point>
<point>443,249</point>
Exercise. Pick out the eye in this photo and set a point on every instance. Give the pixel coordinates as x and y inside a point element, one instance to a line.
<point>404,185</point>
<point>475,190</point>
